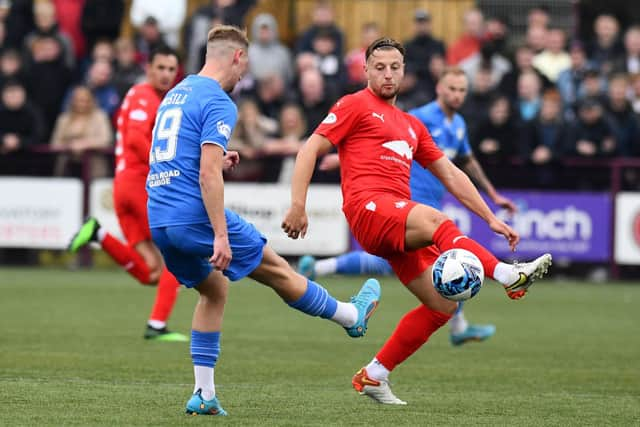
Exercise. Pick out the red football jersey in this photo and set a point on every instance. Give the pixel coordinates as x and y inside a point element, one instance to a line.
<point>376,144</point>
<point>134,128</point>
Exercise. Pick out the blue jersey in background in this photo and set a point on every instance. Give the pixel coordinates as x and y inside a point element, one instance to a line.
<point>195,112</point>
<point>451,137</point>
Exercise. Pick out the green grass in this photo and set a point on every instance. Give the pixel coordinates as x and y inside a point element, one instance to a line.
<point>72,353</point>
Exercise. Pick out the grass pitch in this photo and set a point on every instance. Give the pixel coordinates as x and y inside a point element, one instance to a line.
<point>72,353</point>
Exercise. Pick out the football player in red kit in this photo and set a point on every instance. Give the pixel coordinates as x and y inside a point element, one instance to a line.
<point>139,256</point>
<point>377,143</point>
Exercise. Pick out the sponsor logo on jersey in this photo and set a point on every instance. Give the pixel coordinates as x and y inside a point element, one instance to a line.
<point>371,206</point>
<point>379,116</point>
<point>330,119</point>
<point>138,115</point>
<point>400,147</point>
<point>401,204</point>
<point>224,129</point>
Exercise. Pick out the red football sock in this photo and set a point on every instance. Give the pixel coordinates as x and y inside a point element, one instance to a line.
<point>127,257</point>
<point>413,330</point>
<point>445,238</point>
<point>165,296</point>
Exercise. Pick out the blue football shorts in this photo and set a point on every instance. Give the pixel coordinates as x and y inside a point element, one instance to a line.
<point>186,249</point>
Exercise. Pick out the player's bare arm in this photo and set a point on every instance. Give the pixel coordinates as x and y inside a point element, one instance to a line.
<point>472,167</point>
<point>459,184</point>
<point>212,190</point>
<point>295,222</point>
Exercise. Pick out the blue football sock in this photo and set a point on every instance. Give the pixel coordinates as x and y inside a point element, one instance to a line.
<point>360,262</point>
<point>205,348</point>
<point>316,301</point>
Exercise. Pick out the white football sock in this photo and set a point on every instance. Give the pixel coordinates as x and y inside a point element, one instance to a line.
<point>101,234</point>
<point>346,314</point>
<point>156,324</point>
<point>505,273</point>
<point>326,266</point>
<point>377,371</point>
<point>458,323</point>
<point>204,381</point>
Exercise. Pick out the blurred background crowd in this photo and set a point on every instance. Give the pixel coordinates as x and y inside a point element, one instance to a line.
<point>552,99</point>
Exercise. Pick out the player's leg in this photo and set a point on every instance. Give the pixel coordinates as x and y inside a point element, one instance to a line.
<point>205,344</point>
<point>426,225</point>
<point>461,331</point>
<point>311,298</point>
<point>120,252</point>
<point>351,263</point>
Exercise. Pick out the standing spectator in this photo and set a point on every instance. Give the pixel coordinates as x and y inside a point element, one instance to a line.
<point>529,96</point>
<point>490,59</point>
<point>594,135</point>
<point>630,63</point>
<point>169,14</point>
<point>82,127</point>
<point>419,51</point>
<point>20,122</point>
<point>322,19</point>
<point>267,55</point>
<point>271,95</point>
<point>45,24</point>
<point>496,138</point>
<point>470,41</point>
<point>329,62</point>
<point>621,114</point>
<point>605,49</point>
<point>11,67</point>
<point>475,107</point>
<point>147,39</point>
<point>281,150</point>
<point>127,71</point>
<point>99,82</point>
<point>232,12</point>
<point>536,38</point>
<point>570,80</point>
<point>195,33</point>
<point>68,16</point>
<point>101,19</point>
<point>554,59</point>
<point>314,99</point>
<point>355,60</point>
<point>538,16</point>
<point>18,18</point>
<point>635,94</point>
<point>48,78</point>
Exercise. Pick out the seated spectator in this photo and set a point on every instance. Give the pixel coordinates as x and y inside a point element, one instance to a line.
<point>81,128</point>
<point>496,137</point>
<point>470,41</point>
<point>594,136</point>
<point>529,96</point>
<point>355,60</point>
<point>570,81</point>
<point>594,85</point>
<point>127,71</point>
<point>283,149</point>
<point>322,20</point>
<point>48,78</point>
<point>21,122</point>
<point>267,54</point>
<point>536,39</point>
<point>621,115</point>
<point>476,105</point>
<point>271,95</point>
<point>314,99</point>
<point>99,82</point>
<point>547,142</point>
<point>554,59</point>
<point>523,62</point>
<point>44,14</point>
<point>11,67</point>
<point>606,49</point>
<point>249,138</point>
<point>630,63</point>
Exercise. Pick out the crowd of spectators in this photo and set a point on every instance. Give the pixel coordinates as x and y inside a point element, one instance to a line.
<point>534,99</point>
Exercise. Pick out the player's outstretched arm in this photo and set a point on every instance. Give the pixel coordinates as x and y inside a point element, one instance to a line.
<point>459,184</point>
<point>295,222</point>
<point>472,167</point>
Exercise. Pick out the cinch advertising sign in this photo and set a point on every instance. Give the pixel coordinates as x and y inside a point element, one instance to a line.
<point>573,226</point>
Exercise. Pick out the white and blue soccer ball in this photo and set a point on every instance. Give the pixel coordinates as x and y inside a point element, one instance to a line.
<point>458,274</point>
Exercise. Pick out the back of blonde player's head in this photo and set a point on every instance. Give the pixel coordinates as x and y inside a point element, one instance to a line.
<point>224,39</point>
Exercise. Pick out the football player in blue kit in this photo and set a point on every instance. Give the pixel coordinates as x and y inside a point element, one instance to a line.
<point>201,241</point>
<point>449,131</point>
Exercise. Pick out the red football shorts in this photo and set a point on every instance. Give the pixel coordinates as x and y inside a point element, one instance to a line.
<point>130,202</point>
<point>379,224</point>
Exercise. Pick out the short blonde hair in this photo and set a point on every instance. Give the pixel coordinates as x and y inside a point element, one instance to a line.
<point>453,71</point>
<point>228,33</point>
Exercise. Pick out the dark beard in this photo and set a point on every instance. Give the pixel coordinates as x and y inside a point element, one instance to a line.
<point>393,95</point>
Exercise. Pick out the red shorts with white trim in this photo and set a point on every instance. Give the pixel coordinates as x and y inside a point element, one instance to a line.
<point>130,203</point>
<point>379,224</point>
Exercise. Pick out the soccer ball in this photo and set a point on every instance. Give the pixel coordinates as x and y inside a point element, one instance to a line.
<point>458,274</point>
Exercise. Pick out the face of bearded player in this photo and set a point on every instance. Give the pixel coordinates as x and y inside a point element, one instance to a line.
<point>385,70</point>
